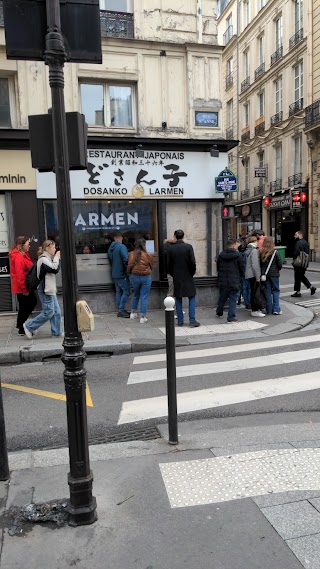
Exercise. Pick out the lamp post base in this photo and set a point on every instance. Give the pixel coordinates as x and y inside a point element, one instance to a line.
<point>80,494</point>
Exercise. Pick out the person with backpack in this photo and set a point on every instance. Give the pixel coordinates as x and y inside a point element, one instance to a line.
<point>20,263</point>
<point>301,250</point>
<point>271,264</point>
<point>48,265</point>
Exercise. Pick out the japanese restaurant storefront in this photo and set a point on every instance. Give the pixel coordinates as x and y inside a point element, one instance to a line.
<point>170,187</point>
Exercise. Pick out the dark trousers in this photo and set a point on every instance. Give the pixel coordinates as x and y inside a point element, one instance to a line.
<point>26,305</point>
<point>299,277</point>
<point>253,287</point>
<point>232,295</point>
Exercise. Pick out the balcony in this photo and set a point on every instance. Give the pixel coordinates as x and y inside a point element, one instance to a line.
<point>245,194</point>
<point>296,38</point>
<point>260,126</point>
<point>245,84</point>
<point>116,24</point>
<point>259,71</point>
<point>276,119</point>
<point>295,180</point>
<point>312,114</point>
<point>276,55</point>
<point>229,81</point>
<point>276,185</point>
<point>229,133</point>
<point>245,136</point>
<point>296,107</point>
<point>259,190</point>
<point>228,35</point>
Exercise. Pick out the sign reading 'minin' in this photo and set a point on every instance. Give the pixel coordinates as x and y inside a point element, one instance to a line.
<point>9,179</point>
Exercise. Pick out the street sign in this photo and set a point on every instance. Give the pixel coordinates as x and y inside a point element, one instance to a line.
<point>260,172</point>
<point>297,198</point>
<point>226,181</point>
<point>228,212</point>
<point>4,267</point>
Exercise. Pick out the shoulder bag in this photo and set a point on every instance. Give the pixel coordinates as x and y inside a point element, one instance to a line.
<point>264,277</point>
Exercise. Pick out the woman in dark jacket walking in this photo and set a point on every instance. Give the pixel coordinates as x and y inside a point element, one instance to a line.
<point>269,254</point>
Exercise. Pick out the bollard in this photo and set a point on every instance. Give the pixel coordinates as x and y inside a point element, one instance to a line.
<point>4,466</point>
<point>169,303</point>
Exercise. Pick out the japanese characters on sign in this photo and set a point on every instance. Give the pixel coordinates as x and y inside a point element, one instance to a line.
<point>114,174</point>
<point>226,181</point>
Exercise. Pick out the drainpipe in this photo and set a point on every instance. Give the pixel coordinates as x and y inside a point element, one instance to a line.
<point>310,143</point>
<point>199,20</point>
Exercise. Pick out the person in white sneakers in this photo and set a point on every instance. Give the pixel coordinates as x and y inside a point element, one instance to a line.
<point>253,273</point>
<point>140,265</point>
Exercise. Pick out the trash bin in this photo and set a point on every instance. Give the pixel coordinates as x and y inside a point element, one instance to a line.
<point>282,253</point>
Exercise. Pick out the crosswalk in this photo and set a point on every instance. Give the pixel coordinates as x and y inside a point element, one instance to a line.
<point>219,376</point>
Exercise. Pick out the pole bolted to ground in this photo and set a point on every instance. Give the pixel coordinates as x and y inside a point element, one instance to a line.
<point>169,303</point>
<point>4,467</point>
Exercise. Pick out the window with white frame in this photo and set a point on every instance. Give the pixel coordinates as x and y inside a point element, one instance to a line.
<point>261,165</point>
<point>5,106</point>
<point>230,113</point>
<point>246,114</point>
<point>297,155</point>
<point>230,66</point>
<point>229,21</point>
<point>108,104</point>
<point>278,161</point>
<point>116,5</point>
<point>246,13</point>
<point>278,94</point>
<point>246,64</point>
<point>261,49</point>
<point>261,4</point>
<point>261,104</point>
<point>247,174</point>
<point>298,15</point>
<point>278,32</point>
<point>298,81</point>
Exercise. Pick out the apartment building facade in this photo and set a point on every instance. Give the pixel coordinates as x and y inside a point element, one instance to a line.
<point>267,85</point>
<point>155,118</point>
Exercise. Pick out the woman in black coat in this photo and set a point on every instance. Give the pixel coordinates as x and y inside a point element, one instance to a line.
<point>269,254</point>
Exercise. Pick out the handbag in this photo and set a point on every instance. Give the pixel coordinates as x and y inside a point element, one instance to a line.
<point>260,298</point>
<point>264,277</point>
<point>302,261</point>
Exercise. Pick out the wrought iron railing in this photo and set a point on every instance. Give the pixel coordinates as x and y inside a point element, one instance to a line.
<point>276,55</point>
<point>295,180</point>
<point>245,194</point>
<point>116,24</point>
<point>259,190</point>
<point>228,35</point>
<point>296,107</point>
<point>296,38</point>
<point>260,128</point>
<point>229,133</point>
<point>245,84</point>
<point>229,80</point>
<point>312,114</point>
<point>277,118</point>
<point>245,137</point>
<point>276,185</point>
<point>259,71</point>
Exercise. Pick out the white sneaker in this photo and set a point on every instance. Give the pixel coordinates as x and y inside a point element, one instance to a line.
<point>133,315</point>
<point>27,332</point>
<point>257,314</point>
<point>143,319</point>
<point>278,313</point>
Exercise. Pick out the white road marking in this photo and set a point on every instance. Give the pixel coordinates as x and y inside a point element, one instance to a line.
<point>145,376</point>
<point>225,478</point>
<point>142,409</point>
<point>217,329</point>
<point>306,303</point>
<point>249,347</point>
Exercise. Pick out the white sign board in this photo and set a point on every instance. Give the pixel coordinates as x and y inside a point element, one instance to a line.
<point>4,241</point>
<point>119,174</point>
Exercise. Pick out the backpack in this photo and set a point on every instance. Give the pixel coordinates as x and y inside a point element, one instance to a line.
<point>32,280</point>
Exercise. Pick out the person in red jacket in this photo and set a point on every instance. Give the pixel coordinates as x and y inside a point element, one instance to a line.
<point>20,263</point>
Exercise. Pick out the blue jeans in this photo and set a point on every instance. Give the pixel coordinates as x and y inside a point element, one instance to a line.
<point>232,295</point>
<point>273,294</point>
<point>192,309</point>
<point>141,287</point>
<point>246,292</point>
<point>122,292</point>
<point>50,311</point>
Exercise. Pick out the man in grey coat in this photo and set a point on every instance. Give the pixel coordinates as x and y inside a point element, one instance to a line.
<point>253,274</point>
<point>181,265</point>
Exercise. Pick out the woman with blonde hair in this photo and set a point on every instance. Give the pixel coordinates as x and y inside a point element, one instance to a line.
<point>271,264</point>
<point>48,265</point>
<point>20,263</point>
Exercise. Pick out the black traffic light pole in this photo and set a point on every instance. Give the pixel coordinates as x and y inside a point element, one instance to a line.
<point>82,505</point>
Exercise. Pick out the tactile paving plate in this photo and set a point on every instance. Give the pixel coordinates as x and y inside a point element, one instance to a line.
<point>220,479</point>
<point>216,329</point>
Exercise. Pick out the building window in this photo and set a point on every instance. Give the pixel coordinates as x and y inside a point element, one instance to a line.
<point>247,174</point>
<point>246,63</point>
<point>298,15</point>
<point>278,157</point>
<point>246,13</point>
<point>230,66</point>
<point>5,113</point>
<point>298,81</point>
<point>230,113</point>
<point>297,167</point>
<point>261,49</point>
<point>261,4</point>
<point>261,104</point>
<point>246,114</point>
<point>278,95</point>
<point>116,5</point>
<point>261,165</point>
<point>108,105</point>
<point>279,33</point>
<point>229,22</point>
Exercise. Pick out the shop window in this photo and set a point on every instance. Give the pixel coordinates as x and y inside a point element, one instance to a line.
<point>94,224</point>
<point>116,5</point>
<point>108,104</point>
<point>5,111</point>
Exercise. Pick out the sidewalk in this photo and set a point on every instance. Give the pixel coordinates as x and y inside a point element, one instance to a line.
<point>236,493</point>
<point>313,267</point>
<point>113,335</point>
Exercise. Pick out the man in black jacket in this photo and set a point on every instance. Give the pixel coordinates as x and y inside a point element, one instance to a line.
<point>181,265</point>
<point>299,272</point>
<point>230,273</point>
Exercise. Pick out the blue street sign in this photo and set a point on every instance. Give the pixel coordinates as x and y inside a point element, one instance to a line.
<point>226,182</point>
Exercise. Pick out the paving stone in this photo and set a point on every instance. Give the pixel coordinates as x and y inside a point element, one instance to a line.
<point>297,519</point>
<point>316,503</point>
<point>307,550</point>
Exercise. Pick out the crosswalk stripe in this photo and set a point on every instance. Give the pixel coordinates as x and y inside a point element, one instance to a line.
<point>313,302</point>
<point>143,409</point>
<point>228,349</point>
<point>220,367</point>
